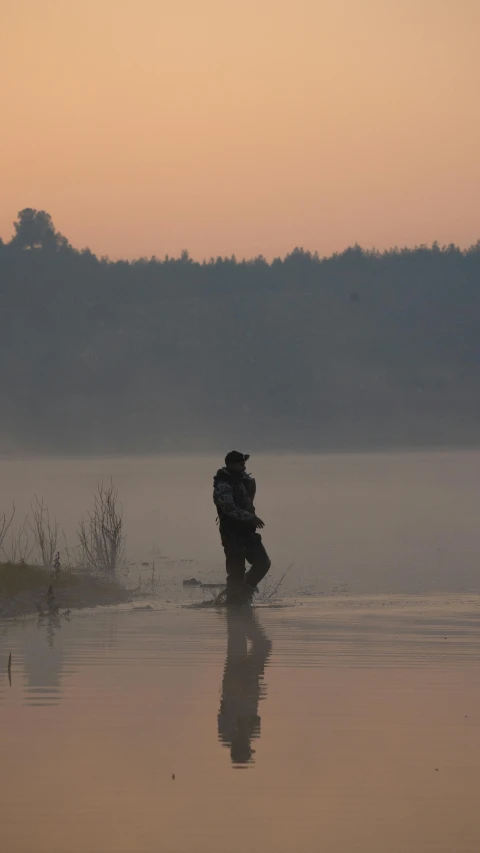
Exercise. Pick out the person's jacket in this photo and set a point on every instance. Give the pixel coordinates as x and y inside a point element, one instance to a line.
<point>233,497</point>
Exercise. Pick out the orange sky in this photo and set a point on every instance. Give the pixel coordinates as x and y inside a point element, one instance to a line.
<point>148,126</point>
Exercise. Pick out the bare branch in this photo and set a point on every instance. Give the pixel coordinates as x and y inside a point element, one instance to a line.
<point>73,555</point>
<point>5,522</point>
<point>45,531</point>
<point>271,587</point>
<point>21,547</point>
<point>100,535</point>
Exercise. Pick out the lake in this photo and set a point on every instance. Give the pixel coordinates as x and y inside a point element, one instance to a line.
<point>341,715</point>
<point>403,522</point>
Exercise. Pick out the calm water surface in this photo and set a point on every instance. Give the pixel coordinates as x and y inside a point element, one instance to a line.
<point>342,724</point>
<point>329,722</point>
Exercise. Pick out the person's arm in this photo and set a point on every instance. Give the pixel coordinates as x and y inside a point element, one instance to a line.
<point>225,503</point>
<point>252,487</point>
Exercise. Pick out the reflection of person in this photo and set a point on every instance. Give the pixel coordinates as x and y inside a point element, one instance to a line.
<point>242,686</point>
<point>233,495</point>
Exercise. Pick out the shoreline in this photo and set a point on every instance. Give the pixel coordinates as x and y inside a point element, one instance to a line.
<point>69,591</point>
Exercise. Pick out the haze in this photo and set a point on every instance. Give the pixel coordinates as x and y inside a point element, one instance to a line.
<point>148,127</point>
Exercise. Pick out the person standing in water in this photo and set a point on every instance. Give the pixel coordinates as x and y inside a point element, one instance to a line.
<point>233,494</point>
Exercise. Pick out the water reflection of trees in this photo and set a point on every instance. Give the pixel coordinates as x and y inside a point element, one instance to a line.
<point>43,666</point>
<point>248,649</point>
<point>51,618</point>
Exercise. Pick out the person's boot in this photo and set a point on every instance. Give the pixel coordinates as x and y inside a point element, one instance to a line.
<point>248,593</point>
<point>235,592</point>
<point>251,587</point>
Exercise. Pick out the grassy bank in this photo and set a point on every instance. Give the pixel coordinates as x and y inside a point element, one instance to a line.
<point>17,578</point>
<point>23,589</point>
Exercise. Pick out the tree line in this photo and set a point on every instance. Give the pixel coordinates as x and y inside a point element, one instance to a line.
<point>360,350</point>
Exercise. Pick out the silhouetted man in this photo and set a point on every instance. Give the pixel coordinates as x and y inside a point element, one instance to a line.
<point>233,495</point>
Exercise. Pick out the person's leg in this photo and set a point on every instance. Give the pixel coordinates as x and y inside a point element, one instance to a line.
<point>258,558</point>
<point>234,547</point>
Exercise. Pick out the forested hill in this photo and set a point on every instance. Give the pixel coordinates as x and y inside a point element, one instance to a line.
<point>358,350</point>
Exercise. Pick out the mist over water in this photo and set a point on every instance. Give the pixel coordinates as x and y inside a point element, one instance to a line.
<point>386,522</point>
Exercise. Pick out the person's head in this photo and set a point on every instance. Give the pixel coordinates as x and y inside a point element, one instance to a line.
<point>235,462</point>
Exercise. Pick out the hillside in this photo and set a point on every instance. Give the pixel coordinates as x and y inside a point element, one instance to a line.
<point>358,350</point>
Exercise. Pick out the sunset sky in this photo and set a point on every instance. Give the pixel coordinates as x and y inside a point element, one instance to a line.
<point>242,126</point>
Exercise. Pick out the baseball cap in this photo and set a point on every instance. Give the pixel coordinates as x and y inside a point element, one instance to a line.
<point>236,456</point>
